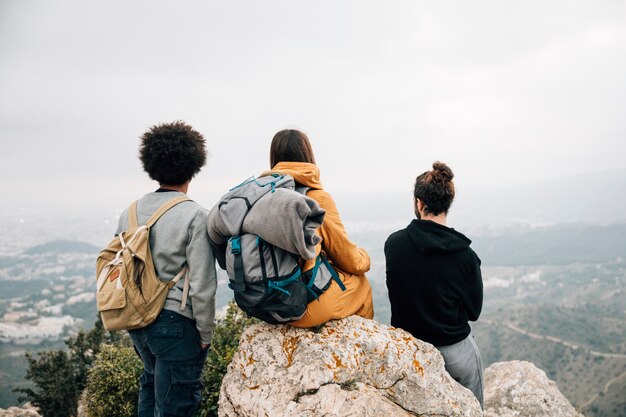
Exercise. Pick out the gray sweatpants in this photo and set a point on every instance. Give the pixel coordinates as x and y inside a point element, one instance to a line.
<point>465,365</point>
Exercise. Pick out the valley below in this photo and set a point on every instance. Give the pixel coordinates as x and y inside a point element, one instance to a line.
<point>565,313</point>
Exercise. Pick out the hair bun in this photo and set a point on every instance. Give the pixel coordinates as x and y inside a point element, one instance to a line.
<point>442,172</point>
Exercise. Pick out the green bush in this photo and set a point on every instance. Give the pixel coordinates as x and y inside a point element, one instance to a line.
<point>112,385</point>
<point>111,389</point>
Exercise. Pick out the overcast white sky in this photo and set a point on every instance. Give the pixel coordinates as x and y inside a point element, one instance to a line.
<point>506,92</point>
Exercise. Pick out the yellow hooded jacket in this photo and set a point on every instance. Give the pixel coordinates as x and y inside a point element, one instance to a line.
<point>350,261</point>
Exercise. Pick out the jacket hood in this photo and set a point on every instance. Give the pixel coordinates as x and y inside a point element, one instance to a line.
<point>303,172</point>
<point>430,237</point>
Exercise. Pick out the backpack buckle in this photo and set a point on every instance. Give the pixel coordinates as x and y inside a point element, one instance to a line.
<point>235,245</point>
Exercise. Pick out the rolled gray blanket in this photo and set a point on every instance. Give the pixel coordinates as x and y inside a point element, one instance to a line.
<point>279,215</point>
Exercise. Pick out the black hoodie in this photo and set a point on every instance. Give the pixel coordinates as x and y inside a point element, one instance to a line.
<point>434,282</point>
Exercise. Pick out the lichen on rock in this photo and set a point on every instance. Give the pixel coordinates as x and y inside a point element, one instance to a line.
<point>351,366</point>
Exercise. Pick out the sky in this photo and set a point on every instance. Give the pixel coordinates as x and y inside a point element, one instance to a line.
<point>506,93</point>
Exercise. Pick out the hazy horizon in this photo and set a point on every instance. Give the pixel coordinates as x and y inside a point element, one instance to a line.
<point>506,93</point>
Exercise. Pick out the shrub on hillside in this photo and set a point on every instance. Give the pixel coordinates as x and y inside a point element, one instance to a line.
<point>58,377</point>
<point>55,391</point>
<point>111,389</point>
<point>112,386</point>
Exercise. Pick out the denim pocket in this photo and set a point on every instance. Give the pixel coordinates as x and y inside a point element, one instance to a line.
<point>174,330</point>
<point>183,395</point>
<point>165,336</point>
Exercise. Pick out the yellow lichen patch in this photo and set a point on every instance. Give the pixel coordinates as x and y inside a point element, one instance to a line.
<point>418,367</point>
<point>338,363</point>
<point>382,369</point>
<point>328,332</point>
<point>243,370</point>
<point>251,360</point>
<point>290,344</point>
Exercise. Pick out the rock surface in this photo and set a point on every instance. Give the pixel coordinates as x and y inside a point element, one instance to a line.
<point>350,367</point>
<point>357,367</point>
<point>517,388</point>
<point>27,411</point>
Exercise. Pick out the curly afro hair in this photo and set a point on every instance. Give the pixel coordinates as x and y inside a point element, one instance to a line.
<point>172,153</point>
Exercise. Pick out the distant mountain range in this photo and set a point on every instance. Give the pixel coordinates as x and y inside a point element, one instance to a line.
<point>593,198</point>
<point>554,245</point>
<point>62,246</point>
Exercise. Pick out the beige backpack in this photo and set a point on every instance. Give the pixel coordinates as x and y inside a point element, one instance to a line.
<point>129,294</point>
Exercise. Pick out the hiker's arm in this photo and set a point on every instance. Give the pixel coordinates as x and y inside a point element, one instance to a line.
<point>202,277</point>
<point>219,251</point>
<point>393,274</point>
<point>217,236</point>
<point>341,251</point>
<point>122,223</point>
<point>472,297</point>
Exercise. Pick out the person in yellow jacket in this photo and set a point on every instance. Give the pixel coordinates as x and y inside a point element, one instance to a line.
<point>291,154</point>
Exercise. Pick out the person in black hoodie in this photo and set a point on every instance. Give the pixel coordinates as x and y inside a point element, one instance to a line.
<point>434,280</point>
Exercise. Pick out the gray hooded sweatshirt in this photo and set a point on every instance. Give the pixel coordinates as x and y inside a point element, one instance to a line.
<point>180,237</point>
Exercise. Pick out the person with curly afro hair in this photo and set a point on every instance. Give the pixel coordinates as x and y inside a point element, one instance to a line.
<point>172,153</point>
<point>173,348</point>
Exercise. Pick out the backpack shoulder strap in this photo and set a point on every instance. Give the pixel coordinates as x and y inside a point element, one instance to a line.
<point>165,207</point>
<point>132,215</point>
<point>302,189</point>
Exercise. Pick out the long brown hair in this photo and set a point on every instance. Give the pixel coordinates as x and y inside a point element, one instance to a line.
<point>291,145</point>
<point>435,188</point>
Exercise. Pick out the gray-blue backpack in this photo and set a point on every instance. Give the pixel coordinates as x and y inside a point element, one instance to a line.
<point>265,228</point>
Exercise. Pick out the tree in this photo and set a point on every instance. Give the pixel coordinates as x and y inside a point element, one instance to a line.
<point>107,367</point>
<point>55,391</point>
<point>59,376</point>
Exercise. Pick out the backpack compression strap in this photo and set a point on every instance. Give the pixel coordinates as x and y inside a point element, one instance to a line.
<point>235,248</point>
<point>174,281</point>
<point>333,273</point>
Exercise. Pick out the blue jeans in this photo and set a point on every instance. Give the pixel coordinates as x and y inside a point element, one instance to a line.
<point>465,365</point>
<point>173,358</point>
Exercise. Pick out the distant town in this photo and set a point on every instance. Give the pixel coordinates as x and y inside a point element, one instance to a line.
<point>44,296</point>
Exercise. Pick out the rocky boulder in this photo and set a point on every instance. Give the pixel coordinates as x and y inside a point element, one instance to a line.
<point>349,367</point>
<point>517,388</point>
